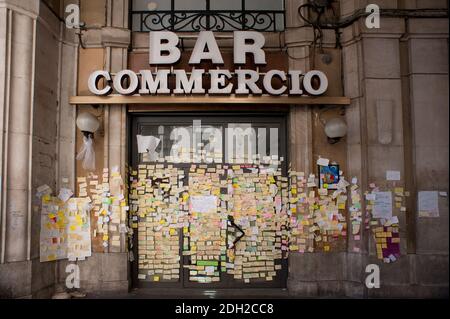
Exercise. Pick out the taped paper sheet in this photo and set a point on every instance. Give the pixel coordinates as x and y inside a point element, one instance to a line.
<point>148,144</point>
<point>203,204</point>
<point>383,205</point>
<point>428,204</point>
<point>392,175</point>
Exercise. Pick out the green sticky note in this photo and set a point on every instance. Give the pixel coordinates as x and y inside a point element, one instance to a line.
<point>207,263</point>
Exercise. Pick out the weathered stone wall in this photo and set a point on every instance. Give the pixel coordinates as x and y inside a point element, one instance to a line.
<point>404,62</point>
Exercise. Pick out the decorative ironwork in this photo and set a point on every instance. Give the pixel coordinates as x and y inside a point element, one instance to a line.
<point>209,20</point>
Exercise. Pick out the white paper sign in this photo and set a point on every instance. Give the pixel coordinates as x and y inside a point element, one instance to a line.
<point>323,161</point>
<point>428,204</point>
<point>65,194</point>
<point>393,175</point>
<point>383,205</point>
<point>147,143</point>
<point>203,204</point>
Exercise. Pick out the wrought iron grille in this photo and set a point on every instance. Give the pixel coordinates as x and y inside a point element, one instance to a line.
<point>207,19</point>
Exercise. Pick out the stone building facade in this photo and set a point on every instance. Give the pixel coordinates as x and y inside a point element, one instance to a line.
<point>404,62</point>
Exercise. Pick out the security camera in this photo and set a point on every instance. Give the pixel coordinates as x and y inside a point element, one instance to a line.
<point>335,129</point>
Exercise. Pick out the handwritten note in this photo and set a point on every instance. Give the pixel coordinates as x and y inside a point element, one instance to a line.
<point>203,204</point>
<point>383,205</point>
<point>392,175</point>
<point>428,204</point>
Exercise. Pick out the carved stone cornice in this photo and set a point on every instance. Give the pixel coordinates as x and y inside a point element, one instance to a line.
<point>106,37</point>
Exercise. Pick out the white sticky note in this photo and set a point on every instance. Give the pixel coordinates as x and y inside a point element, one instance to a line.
<point>323,161</point>
<point>65,194</point>
<point>203,204</point>
<point>393,175</point>
<point>43,190</point>
<point>147,143</point>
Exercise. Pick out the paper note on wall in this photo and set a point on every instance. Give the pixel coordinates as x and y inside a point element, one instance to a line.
<point>393,175</point>
<point>428,204</point>
<point>53,235</point>
<point>383,205</point>
<point>65,229</point>
<point>65,194</point>
<point>203,204</point>
<point>323,161</point>
<point>148,144</point>
<point>79,229</point>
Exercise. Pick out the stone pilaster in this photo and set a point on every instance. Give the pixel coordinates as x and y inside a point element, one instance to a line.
<point>17,51</point>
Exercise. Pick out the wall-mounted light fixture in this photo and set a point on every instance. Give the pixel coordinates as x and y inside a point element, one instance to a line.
<point>88,124</point>
<point>335,129</point>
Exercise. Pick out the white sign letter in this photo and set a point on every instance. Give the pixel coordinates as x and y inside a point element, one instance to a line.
<point>183,85</point>
<point>218,78</point>
<point>160,80</point>
<point>94,78</point>
<point>241,47</point>
<point>307,82</point>
<point>295,82</point>
<point>118,82</point>
<point>268,82</point>
<point>244,83</point>
<point>157,47</point>
<point>206,39</point>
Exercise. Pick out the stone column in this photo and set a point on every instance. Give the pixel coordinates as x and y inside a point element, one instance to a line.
<point>116,38</point>
<point>373,80</point>
<point>425,83</point>
<point>106,42</point>
<point>66,146</point>
<point>17,46</point>
<point>297,40</point>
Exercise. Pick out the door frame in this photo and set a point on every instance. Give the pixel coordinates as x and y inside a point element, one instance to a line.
<point>178,116</point>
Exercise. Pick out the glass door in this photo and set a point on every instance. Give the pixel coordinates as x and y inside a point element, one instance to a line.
<point>205,191</point>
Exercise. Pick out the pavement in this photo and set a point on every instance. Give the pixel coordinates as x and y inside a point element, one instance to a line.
<point>187,293</point>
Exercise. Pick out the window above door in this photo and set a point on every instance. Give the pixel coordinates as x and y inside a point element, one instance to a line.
<point>210,15</point>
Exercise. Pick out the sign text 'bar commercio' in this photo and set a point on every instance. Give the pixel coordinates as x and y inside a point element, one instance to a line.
<point>163,51</point>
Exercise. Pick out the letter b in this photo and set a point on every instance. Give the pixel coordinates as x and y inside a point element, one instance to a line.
<point>157,47</point>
